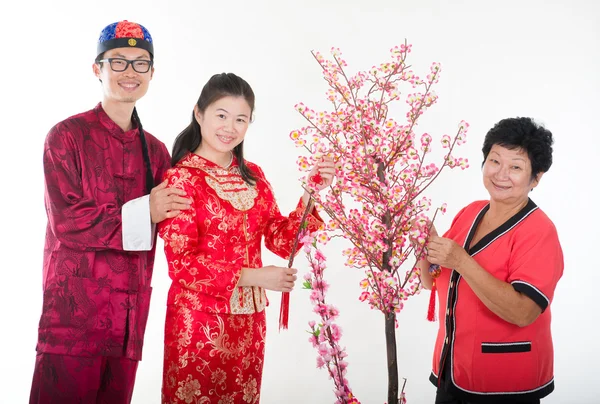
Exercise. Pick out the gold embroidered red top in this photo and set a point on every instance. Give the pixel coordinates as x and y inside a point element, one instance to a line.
<point>207,245</point>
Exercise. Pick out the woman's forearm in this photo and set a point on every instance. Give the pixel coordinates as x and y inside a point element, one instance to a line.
<point>305,198</point>
<point>426,279</point>
<point>247,277</point>
<point>499,296</point>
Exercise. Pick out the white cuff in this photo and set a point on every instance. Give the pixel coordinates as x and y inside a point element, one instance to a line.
<point>138,229</point>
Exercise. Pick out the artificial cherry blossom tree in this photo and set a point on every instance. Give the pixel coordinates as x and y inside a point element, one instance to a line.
<point>378,200</point>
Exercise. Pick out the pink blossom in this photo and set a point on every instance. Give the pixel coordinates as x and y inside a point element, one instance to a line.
<point>319,256</point>
<point>305,237</point>
<point>323,349</point>
<point>336,332</point>
<point>320,362</point>
<point>316,296</point>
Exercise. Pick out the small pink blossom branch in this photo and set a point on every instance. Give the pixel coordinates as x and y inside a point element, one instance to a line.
<point>326,335</point>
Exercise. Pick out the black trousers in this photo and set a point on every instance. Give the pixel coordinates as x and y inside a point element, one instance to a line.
<point>446,398</point>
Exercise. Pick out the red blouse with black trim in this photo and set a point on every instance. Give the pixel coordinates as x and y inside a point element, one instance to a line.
<point>481,356</point>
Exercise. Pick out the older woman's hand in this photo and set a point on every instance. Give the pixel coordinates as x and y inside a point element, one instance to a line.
<point>446,253</point>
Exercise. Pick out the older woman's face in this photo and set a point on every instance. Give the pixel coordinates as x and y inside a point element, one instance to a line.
<point>507,175</point>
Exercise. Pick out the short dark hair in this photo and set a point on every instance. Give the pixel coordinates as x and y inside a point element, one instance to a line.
<point>524,134</point>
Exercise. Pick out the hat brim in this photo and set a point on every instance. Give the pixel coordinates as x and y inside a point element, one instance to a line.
<point>125,43</point>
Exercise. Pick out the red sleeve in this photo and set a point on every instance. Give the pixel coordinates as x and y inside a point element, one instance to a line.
<point>188,266</point>
<point>536,262</point>
<point>280,231</point>
<point>75,217</point>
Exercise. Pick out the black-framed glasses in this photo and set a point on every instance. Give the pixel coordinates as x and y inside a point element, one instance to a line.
<point>120,64</point>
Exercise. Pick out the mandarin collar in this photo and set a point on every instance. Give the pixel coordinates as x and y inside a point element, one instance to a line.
<point>192,160</point>
<point>113,128</point>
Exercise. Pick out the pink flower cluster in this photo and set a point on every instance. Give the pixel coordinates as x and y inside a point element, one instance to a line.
<point>326,334</point>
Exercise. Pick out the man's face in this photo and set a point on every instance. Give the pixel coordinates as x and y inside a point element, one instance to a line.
<point>126,86</point>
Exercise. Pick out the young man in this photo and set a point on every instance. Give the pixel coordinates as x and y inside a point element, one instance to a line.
<point>100,169</point>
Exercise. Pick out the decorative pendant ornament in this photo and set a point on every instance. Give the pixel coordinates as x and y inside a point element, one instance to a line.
<point>317,179</point>
<point>284,308</point>
<point>435,271</point>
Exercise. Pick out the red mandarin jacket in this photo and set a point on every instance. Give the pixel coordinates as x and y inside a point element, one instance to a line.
<point>96,295</point>
<point>207,245</point>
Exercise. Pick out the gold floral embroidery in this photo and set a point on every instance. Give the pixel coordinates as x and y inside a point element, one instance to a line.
<point>219,340</point>
<point>250,391</point>
<point>177,241</point>
<point>188,390</point>
<point>227,182</point>
<point>219,376</point>
<point>187,298</point>
<point>227,399</point>
<point>232,188</point>
<point>254,300</point>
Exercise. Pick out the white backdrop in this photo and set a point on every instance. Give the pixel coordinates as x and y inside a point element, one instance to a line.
<point>536,58</point>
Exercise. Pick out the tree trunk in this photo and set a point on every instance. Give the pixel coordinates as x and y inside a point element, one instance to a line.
<point>390,318</point>
<point>392,363</point>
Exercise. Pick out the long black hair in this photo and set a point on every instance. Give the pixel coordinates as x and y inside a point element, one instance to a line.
<point>147,165</point>
<point>219,86</point>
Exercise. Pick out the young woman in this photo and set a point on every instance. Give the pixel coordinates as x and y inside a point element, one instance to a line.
<point>215,325</point>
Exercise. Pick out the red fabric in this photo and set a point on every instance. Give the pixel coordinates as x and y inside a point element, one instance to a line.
<point>284,311</point>
<point>206,248</point>
<point>75,379</point>
<point>212,358</point>
<point>431,308</point>
<point>529,251</point>
<point>96,296</point>
<point>126,29</point>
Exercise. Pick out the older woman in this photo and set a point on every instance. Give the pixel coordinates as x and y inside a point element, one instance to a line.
<point>500,262</point>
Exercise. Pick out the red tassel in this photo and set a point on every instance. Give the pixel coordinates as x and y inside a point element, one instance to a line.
<point>431,310</point>
<point>284,311</point>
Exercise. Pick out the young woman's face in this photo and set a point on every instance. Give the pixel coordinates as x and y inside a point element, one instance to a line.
<point>224,124</point>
